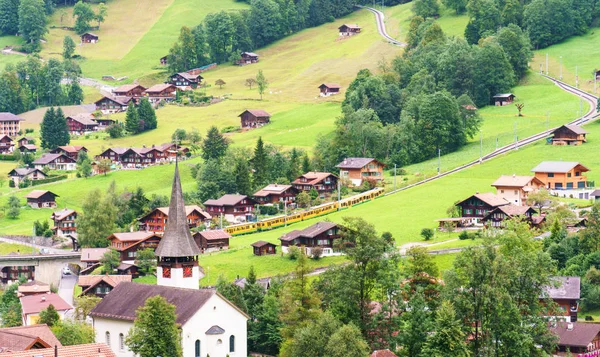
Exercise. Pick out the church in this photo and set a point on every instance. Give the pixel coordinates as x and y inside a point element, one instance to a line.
<point>209,323</point>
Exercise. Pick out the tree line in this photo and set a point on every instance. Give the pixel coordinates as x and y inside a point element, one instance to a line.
<point>424,102</point>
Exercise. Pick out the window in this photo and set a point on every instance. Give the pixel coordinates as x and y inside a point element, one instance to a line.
<point>197,348</point>
<point>577,173</point>
<point>550,174</point>
<point>107,338</point>
<point>568,174</point>
<point>232,343</point>
<point>516,192</point>
<point>121,342</point>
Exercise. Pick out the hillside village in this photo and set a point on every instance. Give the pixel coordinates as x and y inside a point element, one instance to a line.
<point>224,178</point>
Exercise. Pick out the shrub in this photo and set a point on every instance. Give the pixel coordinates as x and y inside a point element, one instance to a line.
<point>589,318</point>
<point>11,183</point>
<point>268,210</point>
<point>293,252</point>
<point>427,233</point>
<point>463,235</point>
<point>317,252</point>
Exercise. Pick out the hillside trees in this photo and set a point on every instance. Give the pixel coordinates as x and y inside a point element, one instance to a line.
<point>147,115</point>
<point>32,23</point>
<point>68,47</point>
<point>214,145</point>
<point>54,131</point>
<point>9,17</point>
<point>97,220</point>
<point>83,14</point>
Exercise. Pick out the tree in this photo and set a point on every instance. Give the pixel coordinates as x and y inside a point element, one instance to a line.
<point>155,331</point>
<point>178,136</point>
<point>347,342</point>
<point>250,82</point>
<point>115,131</point>
<point>459,6</point>
<point>214,145</point>
<point>420,261</point>
<point>264,333</point>
<point>32,23</point>
<point>71,333</point>
<point>303,199</point>
<point>261,83</point>
<point>448,338</point>
<point>426,8</point>
<point>194,136</point>
<point>14,207</point>
<point>54,130</point>
<point>9,16</point>
<point>260,164</point>
<point>75,93</point>
<point>104,166</point>
<point>102,13</point>
<point>484,16</point>
<point>220,83</point>
<point>427,233</point>
<point>97,220</point>
<point>132,119</point>
<point>83,14</point>
<point>49,316</point>
<point>68,47</point>
<point>517,46</point>
<point>312,340</point>
<point>110,260</point>
<point>147,115</point>
<point>146,260</point>
<point>84,305</point>
<point>242,177</point>
<point>540,199</point>
<point>266,19</point>
<point>85,169</point>
<point>417,324</point>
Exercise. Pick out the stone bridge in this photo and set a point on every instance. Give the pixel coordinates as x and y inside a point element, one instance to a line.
<point>47,267</point>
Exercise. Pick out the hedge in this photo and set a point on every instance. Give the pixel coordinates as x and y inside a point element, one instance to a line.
<point>48,180</point>
<point>5,157</point>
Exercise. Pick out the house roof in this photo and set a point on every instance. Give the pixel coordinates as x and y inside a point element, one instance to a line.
<point>215,330</point>
<point>127,87</point>
<point>48,158</point>
<point>355,162</point>
<point>259,113</point>
<point>188,76</point>
<point>126,298</point>
<point>71,149</point>
<point>157,88</point>
<point>564,287</point>
<point>188,210</point>
<point>24,172</point>
<point>88,350</point>
<point>309,232</point>
<point>92,254</point>
<point>22,338</point>
<point>351,26</point>
<point>558,166</point>
<point>313,178</point>
<point>215,234</point>
<point>33,286</point>
<point>84,118</point>
<point>383,353</point>
<point>131,236</point>
<point>512,210</point>
<point>260,244</point>
<point>272,189</point>
<point>39,193</point>
<point>125,266</point>
<point>504,95</point>
<point>595,193</point>
<point>3,137</point>
<point>489,198</point>
<point>265,283</point>
<point>62,214</point>
<point>330,85</point>
<point>32,304</point>
<point>89,33</point>
<point>226,200</point>
<point>581,335</point>
<point>251,54</point>
<point>28,138</point>
<point>177,240</point>
<point>9,117</point>
<point>574,128</point>
<point>28,146</point>
<point>119,100</point>
<point>112,280</point>
<point>515,181</point>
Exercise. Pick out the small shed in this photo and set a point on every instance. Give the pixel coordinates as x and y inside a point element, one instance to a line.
<point>327,89</point>
<point>212,241</point>
<point>89,37</point>
<point>254,118</point>
<point>41,199</point>
<point>569,135</point>
<point>247,58</point>
<point>503,99</point>
<point>264,248</point>
<point>349,29</point>
<point>163,61</point>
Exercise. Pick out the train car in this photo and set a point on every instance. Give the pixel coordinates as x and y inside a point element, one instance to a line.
<point>279,221</point>
<point>320,210</point>
<point>242,228</point>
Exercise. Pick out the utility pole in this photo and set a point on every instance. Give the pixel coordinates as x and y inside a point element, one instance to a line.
<point>285,213</point>
<point>576,77</point>
<point>560,68</point>
<point>395,177</point>
<point>221,225</point>
<point>546,63</point>
<point>339,193</point>
<point>439,160</point>
<point>541,68</point>
<point>595,82</point>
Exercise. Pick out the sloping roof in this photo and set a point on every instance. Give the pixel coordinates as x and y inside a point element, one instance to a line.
<point>513,210</point>
<point>157,88</point>
<point>48,158</point>
<point>265,283</point>
<point>272,189</point>
<point>515,181</point>
<point>3,137</point>
<point>131,236</point>
<point>127,88</point>
<point>226,200</point>
<point>313,178</point>
<point>564,287</point>
<point>9,117</point>
<point>354,162</point>
<point>557,166</point>
<point>22,338</point>
<point>84,118</point>
<point>383,353</point>
<point>89,33</point>
<point>39,193</point>
<point>503,95</point>
<point>259,113</point>
<point>24,172</point>
<point>72,149</point>
<point>123,101</point>
<point>309,232</point>
<point>92,254</point>
<point>488,198</point>
<point>191,77</point>
<point>595,193</point>
<point>330,85</point>
<point>574,128</point>
<point>33,286</point>
<point>188,210</point>
<point>177,240</point>
<point>33,304</point>
<point>112,280</point>
<point>251,54</point>
<point>351,26</point>
<point>260,243</point>
<point>62,214</point>
<point>89,350</point>
<point>126,298</point>
<point>215,330</point>
<point>28,146</point>
<point>215,234</point>
<point>581,335</point>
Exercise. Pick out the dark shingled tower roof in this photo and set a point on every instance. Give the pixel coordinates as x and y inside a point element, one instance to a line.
<point>177,240</point>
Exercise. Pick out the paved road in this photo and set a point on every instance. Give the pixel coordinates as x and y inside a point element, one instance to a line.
<point>65,289</point>
<point>380,19</point>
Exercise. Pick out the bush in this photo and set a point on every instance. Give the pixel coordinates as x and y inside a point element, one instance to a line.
<point>293,252</point>
<point>230,129</point>
<point>48,180</point>
<point>268,210</point>
<point>464,235</point>
<point>589,318</point>
<point>5,157</point>
<point>427,233</point>
<point>317,252</point>
<point>116,131</point>
<point>11,183</point>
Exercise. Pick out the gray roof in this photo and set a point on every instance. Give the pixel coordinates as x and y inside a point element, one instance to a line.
<point>9,117</point>
<point>48,158</point>
<point>226,200</point>
<point>564,287</point>
<point>215,330</point>
<point>576,129</point>
<point>354,162</point>
<point>251,54</point>
<point>309,232</point>
<point>503,95</point>
<point>557,166</point>
<point>177,240</point>
<point>23,172</point>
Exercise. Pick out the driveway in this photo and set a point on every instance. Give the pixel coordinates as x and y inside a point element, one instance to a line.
<point>65,289</point>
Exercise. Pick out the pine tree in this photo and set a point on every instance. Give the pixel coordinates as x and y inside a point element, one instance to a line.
<point>448,339</point>
<point>49,316</point>
<point>62,129</point>
<point>294,165</point>
<point>242,177</point>
<point>260,164</point>
<point>215,145</point>
<point>75,93</point>
<point>9,17</point>
<point>132,119</point>
<point>306,166</point>
<point>47,129</point>
<point>147,115</point>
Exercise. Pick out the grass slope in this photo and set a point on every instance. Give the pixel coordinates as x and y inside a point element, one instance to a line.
<point>7,248</point>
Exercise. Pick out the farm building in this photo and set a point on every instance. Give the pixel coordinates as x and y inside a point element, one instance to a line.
<point>28,148</point>
<point>569,135</point>
<point>41,199</point>
<point>71,151</point>
<point>498,216</point>
<point>158,92</point>
<point>264,248</point>
<point>358,169</point>
<point>26,140</point>
<point>349,29</point>
<point>503,99</point>
<point>254,118</point>
<point>275,193</point>
<point>100,285</point>
<point>323,182</point>
<point>560,175</point>
<point>89,37</point>
<point>20,174</point>
<point>185,80</point>
<point>212,241</point>
<point>81,123</point>
<point>327,89</point>
<point>479,205</point>
<point>10,124</point>
<point>6,144</point>
<point>129,90</point>
<point>320,235</point>
<point>247,58</point>
<point>515,189</point>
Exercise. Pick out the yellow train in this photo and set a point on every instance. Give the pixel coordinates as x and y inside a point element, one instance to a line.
<point>326,208</point>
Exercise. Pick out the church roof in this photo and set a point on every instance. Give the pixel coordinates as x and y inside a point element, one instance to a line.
<point>177,240</point>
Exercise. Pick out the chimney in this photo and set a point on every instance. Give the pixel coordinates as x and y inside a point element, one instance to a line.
<point>44,298</point>
<point>514,175</point>
<point>570,326</point>
<point>55,350</point>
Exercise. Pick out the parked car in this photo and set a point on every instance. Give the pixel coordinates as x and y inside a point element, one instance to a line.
<point>66,270</point>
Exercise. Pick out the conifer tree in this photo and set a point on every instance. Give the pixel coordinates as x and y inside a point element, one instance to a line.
<point>447,339</point>
<point>132,119</point>
<point>49,316</point>
<point>242,177</point>
<point>214,145</point>
<point>54,131</point>
<point>147,115</point>
<point>260,164</point>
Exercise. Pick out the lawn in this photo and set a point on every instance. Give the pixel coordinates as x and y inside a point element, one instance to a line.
<point>7,248</point>
<point>444,262</point>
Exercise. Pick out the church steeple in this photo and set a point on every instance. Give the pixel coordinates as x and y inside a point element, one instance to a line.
<point>177,252</point>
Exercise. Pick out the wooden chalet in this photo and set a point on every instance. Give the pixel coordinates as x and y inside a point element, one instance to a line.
<point>143,157</point>
<point>186,80</point>
<point>28,148</point>
<point>20,174</point>
<point>71,151</point>
<point>26,140</point>
<point>89,37</point>
<point>275,193</point>
<point>212,241</point>
<point>264,248</point>
<point>320,235</point>
<point>503,99</point>
<point>100,285</point>
<point>498,216</point>
<point>137,158</point>
<point>11,274</point>
<point>110,105</point>
<point>156,220</point>
<point>112,154</point>
<point>479,205</point>
<point>569,135</point>
<point>129,90</point>
<point>6,144</point>
<point>55,162</point>
<point>516,189</point>
<point>254,118</point>
<point>104,122</point>
<point>41,199</point>
<point>158,92</point>
<point>327,89</point>
<point>247,58</point>
<point>359,169</point>
<point>10,124</point>
<point>234,208</point>
<point>92,256</point>
<point>128,243</point>
<point>81,124</point>
<point>65,224</point>
<point>163,61</point>
<point>128,269</point>
<point>349,29</point>
<point>565,291</point>
<point>324,182</point>
<point>560,175</point>
<point>577,339</point>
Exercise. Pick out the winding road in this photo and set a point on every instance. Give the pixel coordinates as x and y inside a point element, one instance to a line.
<point>380,18</point>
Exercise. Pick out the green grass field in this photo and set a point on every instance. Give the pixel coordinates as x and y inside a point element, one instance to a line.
<point>7,248</point>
